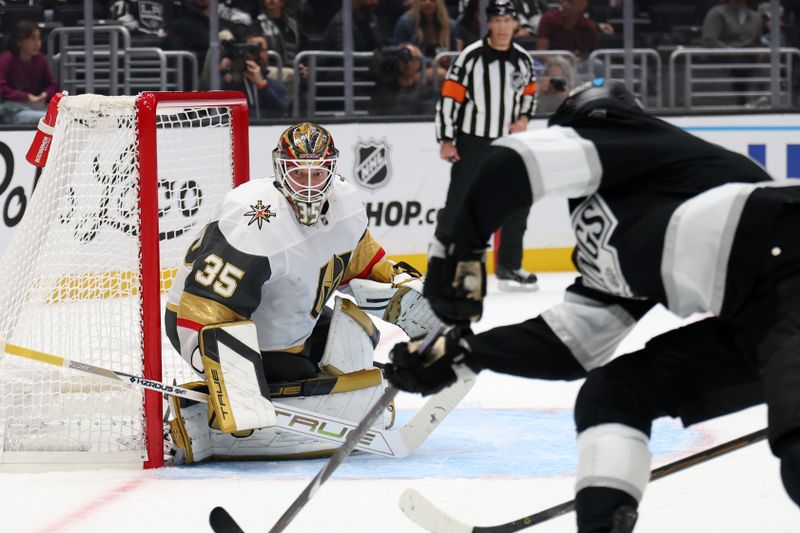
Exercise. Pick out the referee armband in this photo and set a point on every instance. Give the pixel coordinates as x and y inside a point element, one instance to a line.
<point>454,90</point>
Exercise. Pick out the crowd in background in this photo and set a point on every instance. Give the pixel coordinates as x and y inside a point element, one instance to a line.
<point>406,35</point>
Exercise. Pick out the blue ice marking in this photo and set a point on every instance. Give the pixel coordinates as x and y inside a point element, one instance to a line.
<point>470,443</point>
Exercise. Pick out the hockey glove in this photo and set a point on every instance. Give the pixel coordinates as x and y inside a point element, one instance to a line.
<point>456,281</point>
<point>430,372</point>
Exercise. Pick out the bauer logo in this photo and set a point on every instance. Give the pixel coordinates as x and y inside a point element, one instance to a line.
<point>372,168</point>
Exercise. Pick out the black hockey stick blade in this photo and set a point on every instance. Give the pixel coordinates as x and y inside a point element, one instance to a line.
<point>349,444</point>
<point>336,459</point>
<point>424,513</point>
<point>341,453</point>
<point>222,522</point>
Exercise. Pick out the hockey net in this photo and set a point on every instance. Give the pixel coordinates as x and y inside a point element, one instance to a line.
<point>128,184</point>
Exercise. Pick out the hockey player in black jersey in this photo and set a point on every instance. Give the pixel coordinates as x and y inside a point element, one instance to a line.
<point>660,216</point>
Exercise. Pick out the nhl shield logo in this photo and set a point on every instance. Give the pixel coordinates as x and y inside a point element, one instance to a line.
<point>372,169</point>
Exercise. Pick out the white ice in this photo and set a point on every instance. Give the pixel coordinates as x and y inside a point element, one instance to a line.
<point>506,452</point>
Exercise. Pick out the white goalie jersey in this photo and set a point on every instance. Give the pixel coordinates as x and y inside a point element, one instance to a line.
<point>255,261</point>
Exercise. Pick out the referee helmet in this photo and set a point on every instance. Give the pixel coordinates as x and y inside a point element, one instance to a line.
<point>501,7</point>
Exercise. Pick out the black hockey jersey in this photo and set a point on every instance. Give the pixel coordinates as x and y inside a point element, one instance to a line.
<point>659,216</point>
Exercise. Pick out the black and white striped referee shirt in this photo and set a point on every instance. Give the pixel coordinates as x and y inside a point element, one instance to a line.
<point>485,91</point>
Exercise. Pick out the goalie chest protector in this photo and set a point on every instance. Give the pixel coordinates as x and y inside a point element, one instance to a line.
<point>301,266</point>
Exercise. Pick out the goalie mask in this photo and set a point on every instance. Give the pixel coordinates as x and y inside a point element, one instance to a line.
<point>305,165</point>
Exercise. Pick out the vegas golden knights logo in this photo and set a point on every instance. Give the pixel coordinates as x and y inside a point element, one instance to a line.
<point>330,276</point>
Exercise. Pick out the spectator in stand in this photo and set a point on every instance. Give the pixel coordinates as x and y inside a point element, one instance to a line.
<point>146,20</point>
<point>731,25</point>
<point>314,15</point>
<point>530,13</point>
<point>247,72</point>
<point>389,12</point>
<point>282,30</point>
<point>468,25</point>
<point>427,26</point>
<point>366,36</point>
<point>284,36</point>
<point>570,28</point>
<point>188,30</point>
<point>404,93</point>
<point>765,12</point>
<point>734,25</point>
<point>558,78</point>
<point>26,83</point>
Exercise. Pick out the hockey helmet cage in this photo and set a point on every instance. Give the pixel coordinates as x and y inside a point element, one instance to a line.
<point>305,165</point>
<point>501,7</point>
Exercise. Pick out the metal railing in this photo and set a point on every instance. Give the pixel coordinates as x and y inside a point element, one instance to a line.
<point>729,78</point>
<point>69,42</point>
<point>647,67</point>
<point>539,58</point>
<point>328,75</point>
<point>118,67</point>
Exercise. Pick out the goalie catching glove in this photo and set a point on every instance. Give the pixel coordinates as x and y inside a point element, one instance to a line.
<point>456,281</point>
<point>399,302</point>
<point>427,373</point>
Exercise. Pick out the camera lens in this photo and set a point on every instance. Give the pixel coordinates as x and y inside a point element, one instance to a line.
<point>558,84</point>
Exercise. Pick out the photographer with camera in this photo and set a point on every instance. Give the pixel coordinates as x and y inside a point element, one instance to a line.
<point>399,86</point>
<point>558,78</point>
<point>244,68</point>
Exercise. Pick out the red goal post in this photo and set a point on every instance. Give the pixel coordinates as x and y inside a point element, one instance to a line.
<point>148,104</point>
<point>129,182</point>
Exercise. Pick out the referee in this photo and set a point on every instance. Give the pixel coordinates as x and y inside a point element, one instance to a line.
<point>489,91</point>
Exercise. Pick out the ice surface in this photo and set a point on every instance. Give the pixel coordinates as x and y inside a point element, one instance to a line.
<point>508,451</point>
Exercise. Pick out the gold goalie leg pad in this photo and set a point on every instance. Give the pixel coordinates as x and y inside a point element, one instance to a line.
<point>238,390</point>
<point>191,436</point>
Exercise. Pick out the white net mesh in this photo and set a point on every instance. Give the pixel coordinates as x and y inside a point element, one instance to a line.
<point>69,280</point>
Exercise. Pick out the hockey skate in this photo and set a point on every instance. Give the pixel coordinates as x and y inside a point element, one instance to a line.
<point>516,280</point>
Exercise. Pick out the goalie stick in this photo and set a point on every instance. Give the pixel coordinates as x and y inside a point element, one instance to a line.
<point>222,522</point>
<point>396,443</point>
<point>426,515</point>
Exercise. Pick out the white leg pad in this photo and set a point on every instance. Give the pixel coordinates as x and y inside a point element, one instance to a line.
<point>191,434</point>
<point>351,341</point>
<point>272,443</point>
<point>614,456</point>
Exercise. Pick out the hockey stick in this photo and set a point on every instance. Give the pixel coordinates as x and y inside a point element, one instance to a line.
<point>396,443</point>
<point>425,514</point>
<point>222,522</point>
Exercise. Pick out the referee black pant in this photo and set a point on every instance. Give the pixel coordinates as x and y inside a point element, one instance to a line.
<point>472,151</point>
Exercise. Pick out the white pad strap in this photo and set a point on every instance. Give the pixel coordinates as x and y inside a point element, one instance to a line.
<point>351,341</point>
<point>410,311</point>
<point>372,296</point>
<point>190,432</point>
<point>615,456</point>
<point>238,389</point>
